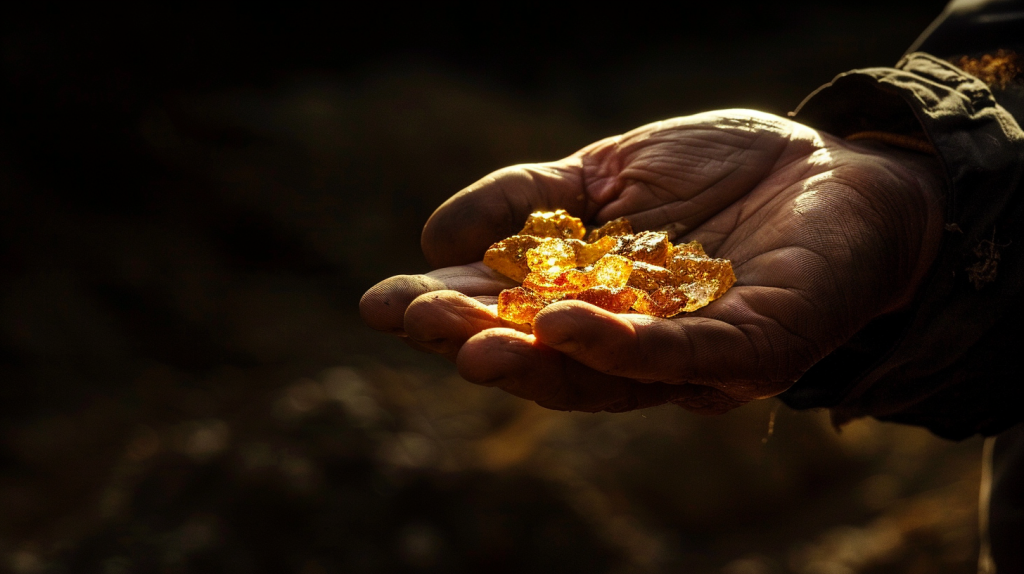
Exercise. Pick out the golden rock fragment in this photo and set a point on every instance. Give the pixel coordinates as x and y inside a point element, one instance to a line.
<point>556,223</point>
<point>611,271</point>
<point>551,256</point>
<point>647,277</point>
<point>691,249</point>
<point>589,253</point>
<point>647,246</point>
<point>613,228</point>
<point>616,300</point>
<point>664,302</point>
<point>700,293</point>
<point>704,270</point>
<point>558,284</point>
<point>508,256</point>
<point>521,305</point>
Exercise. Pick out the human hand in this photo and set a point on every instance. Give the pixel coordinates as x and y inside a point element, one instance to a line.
<point>824,235</point>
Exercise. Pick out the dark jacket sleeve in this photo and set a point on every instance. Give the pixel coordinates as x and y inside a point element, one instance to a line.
<point>952,361</point>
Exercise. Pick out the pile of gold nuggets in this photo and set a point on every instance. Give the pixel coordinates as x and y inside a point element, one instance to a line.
<point>614,269</point>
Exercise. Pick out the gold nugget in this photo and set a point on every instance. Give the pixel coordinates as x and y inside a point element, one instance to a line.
<point>614,299</point>
<point>615,269</point>
<point>613,228</point>
<point>611,271</point>
<point>551,256</point>
<point>508,256</point>
<point>647,277</point>
<point>704,270</point>
<point>647,246</point>
<point>589,253</point>
<point>666,302</point>
<point>520,304</point>
<point>557,223</point>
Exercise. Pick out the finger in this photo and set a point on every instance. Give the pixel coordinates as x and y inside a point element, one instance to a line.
<point>497,206</point>
<point>741,352</point>
<point>441,321</point>
<point>516,363</point>
<point>383,306</point>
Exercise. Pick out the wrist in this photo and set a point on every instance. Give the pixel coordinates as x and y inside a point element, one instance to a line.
<point>920,200</point>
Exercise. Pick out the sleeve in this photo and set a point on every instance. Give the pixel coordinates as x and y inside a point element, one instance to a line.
<point>951,361</point>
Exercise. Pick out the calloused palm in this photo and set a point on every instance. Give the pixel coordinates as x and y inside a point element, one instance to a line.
<point>824,236</point>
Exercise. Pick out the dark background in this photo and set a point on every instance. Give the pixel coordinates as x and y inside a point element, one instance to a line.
<point>191,205</point>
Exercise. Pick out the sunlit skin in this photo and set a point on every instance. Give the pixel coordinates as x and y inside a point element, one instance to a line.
<point>824,235</point>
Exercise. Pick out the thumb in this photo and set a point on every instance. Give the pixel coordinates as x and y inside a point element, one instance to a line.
<point>462,229</point>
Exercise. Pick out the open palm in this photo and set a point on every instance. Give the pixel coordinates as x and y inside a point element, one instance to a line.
<point>824,236</point>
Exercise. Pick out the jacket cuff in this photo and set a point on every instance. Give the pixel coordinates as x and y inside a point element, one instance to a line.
<point>949,361</point>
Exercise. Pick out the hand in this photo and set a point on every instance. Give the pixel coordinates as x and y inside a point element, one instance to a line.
<point>824,236</point>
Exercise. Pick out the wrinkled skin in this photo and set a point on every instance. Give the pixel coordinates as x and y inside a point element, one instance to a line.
<point>824,236</point>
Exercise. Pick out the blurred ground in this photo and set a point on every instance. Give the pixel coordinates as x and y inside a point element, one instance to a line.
<point>189,213</point>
